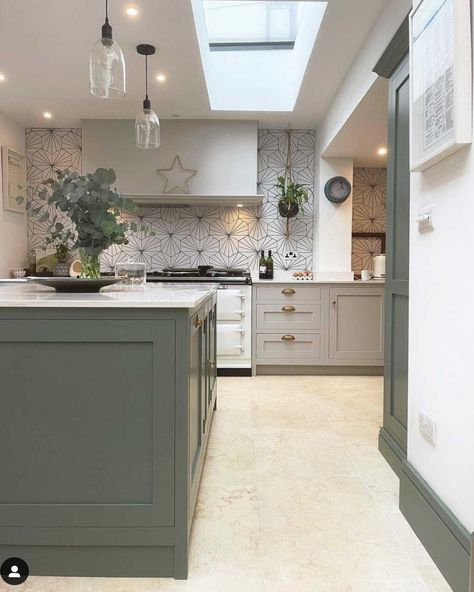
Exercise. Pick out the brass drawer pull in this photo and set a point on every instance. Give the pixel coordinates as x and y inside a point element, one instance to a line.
<point>288,338</point>
<point>198,322</point>
<point>288,291</point>
<point>288,309</point>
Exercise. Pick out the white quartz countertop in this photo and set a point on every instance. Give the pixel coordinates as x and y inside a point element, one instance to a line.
<point>149,296</point>
<point>377,282</point>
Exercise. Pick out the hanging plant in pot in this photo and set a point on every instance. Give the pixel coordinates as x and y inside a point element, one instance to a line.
<point>293,195</point>
<point>94,209</point>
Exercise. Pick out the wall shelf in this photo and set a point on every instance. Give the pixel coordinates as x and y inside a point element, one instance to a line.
<point>183,200</point>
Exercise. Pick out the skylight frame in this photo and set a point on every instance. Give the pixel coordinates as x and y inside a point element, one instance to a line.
<point>245,39</point>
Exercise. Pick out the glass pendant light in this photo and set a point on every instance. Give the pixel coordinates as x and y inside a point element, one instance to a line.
<point>107,65</point>
<point>147,124</point>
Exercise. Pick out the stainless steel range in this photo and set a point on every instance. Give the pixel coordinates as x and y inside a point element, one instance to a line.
<point>234,309</point>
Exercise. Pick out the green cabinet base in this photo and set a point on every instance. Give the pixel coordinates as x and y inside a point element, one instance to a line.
<point>98,561</point>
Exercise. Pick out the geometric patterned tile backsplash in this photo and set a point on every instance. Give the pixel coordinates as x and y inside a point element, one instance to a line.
<point>369,215</point>
<point>198,235</point>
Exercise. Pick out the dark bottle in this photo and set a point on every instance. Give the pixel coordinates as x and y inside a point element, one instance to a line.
<point>269,266</point>
<point>262,267</point>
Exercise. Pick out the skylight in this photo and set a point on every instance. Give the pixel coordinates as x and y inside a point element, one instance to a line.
<point>258,78</point>
<point>251,24</point>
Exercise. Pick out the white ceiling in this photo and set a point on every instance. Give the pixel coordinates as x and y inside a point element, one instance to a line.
<point>44,49</point>
<point>366,129</point>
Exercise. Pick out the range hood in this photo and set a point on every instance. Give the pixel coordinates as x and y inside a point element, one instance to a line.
<point>222,153</point>
<point>184,200</point>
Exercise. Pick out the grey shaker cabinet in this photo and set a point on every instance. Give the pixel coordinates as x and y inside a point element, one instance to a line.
<point>317,325</point>
<point>356,325</point>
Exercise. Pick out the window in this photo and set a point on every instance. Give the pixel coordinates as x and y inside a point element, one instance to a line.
<point>235,25</point>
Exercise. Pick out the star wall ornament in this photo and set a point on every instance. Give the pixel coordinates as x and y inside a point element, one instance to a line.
<point>177,177</point>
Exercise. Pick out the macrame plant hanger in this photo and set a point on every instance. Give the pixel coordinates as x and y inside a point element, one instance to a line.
<point>288,176</point>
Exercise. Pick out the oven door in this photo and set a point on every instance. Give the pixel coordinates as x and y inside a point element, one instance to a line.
<point>231,303</point>
<point>234,327</point>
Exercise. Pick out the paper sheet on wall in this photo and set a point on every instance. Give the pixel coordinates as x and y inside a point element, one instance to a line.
<point>434,48</point>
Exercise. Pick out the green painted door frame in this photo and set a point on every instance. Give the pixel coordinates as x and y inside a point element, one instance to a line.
<point>393,65</point>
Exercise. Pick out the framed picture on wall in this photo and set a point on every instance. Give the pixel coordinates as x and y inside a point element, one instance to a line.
<point>13,180</point>
<point>440,80</point>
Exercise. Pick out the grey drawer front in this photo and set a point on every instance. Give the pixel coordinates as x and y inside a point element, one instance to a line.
<point>289,317</point>
<point>306,346</point>
<point>297,293</point>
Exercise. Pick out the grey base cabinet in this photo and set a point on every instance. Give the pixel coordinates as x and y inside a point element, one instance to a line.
<point>106,417</point>
<point>356,326</point>
<point>318,325</point>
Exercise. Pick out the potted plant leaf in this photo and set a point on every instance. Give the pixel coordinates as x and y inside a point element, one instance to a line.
<point>61,269</point>
<point>293,195</point>
<point>93,207</point>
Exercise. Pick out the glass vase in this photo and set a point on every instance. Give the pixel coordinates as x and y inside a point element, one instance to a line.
<point>90,265</point>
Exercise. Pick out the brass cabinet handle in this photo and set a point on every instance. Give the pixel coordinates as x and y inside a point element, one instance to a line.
<point>334,302</point>
<point>288,309</point>
<point>198,322</point>
<point>288,291</point>
<point>288,338</point>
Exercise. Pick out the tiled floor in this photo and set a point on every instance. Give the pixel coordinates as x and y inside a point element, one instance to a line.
<point>294,498</point>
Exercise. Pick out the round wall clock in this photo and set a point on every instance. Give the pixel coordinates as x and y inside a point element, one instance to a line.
<point>337,189</point>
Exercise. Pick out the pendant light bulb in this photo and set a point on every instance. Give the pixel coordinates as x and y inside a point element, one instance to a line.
<point>147,124</point>
<point>107,65</point>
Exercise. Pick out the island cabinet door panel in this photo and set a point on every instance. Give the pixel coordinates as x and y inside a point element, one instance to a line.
<point>87,410</point>
<point>356,325</point>
<point>212,361</point>
<point>195,393</point>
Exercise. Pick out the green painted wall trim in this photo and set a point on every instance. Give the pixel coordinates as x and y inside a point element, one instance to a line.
<point>395,52</point>
<point>391,451</point>
<point>443,536</point>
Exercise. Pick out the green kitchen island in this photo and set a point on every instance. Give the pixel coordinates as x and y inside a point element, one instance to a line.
<point>106,403</point>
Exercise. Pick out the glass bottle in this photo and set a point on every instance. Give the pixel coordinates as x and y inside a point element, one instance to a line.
<point>262,267</point>
<point>269,266</point>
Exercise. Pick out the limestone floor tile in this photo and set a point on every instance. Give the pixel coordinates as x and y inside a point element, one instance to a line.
<point>300,454</point>
<point>337,585</point>
<point>431,575</point>
<point>326,527</point>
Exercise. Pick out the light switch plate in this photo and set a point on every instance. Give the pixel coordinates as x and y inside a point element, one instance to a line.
<point>424,219</point>
<point>427,427</point>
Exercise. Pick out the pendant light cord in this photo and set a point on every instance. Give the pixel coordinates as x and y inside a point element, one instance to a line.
<point>106,11</point>
<point>146,77</point>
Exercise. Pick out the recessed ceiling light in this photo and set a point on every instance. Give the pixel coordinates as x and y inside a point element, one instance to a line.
<point>161,77</point>
<point>382,151</point>
<point>47,115</point>
<point>2,77</point>
<point>132,11</point>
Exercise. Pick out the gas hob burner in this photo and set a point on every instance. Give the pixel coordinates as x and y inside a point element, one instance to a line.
<point>202,273</point>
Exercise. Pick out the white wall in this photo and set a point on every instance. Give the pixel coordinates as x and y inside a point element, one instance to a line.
<point>223,152</point>
<point>12,225</point>
<point>334,223</point>
<point>441,350</point>
<point>354,88</point>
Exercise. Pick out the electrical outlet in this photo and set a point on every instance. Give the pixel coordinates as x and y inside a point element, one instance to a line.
<point>427,427</point>
<point>291,255</point>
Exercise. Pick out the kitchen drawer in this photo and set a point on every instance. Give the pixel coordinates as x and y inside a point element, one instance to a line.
<point>272,347</point>
<point>289,317</point>
<point>288,293</point>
